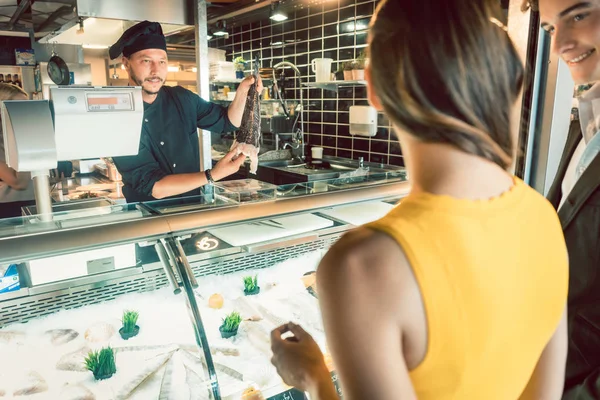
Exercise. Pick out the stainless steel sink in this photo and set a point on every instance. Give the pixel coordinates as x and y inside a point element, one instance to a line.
<point>281,172</point>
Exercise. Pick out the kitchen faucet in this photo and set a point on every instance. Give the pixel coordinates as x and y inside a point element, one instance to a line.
<point>298,136</point>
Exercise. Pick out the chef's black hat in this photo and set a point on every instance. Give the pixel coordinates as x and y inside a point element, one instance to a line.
<point>142,36</point>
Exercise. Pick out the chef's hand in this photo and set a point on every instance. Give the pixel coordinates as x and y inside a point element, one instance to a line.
<point>298,359</point>
<point>227,165</point>
<point>247,82</point>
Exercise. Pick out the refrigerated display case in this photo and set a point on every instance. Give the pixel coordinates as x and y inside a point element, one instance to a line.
<point>181,266</point>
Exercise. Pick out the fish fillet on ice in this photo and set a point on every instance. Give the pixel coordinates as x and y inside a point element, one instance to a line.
<point>76,392</point>
<point>32,383</point>
<point>247,139</point>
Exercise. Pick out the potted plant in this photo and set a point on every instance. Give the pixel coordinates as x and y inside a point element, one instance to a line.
<point>101,363</point>
<point>358,72</point>
<point>230,325</point>
<point>348,67</point>
<point>129,329</point>
<point>251,285</point>
<point>240,65</point>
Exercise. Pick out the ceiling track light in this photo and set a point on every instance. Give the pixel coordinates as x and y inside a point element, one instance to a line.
<point>277,14</point>
<point>221,29</point>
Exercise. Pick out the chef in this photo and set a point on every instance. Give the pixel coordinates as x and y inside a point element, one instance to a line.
<point>168,161</point>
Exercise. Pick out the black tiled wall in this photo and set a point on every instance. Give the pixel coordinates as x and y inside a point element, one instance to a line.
<point>334,29</point>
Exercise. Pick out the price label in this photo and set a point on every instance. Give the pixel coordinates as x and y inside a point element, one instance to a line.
<point>337,384</point>
<point>292,394</point>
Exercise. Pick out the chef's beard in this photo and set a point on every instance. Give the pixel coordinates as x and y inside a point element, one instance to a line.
<point>140,82</point>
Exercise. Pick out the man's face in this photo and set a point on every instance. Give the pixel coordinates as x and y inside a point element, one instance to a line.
<point>574,26</point>
<point>148,69</point>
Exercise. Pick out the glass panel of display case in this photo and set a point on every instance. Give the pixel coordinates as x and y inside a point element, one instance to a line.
<point>122,336</point>
<point>192,203</point>
<point>73,216</point>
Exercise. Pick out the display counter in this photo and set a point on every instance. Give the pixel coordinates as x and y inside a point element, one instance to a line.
<point>185,266</point>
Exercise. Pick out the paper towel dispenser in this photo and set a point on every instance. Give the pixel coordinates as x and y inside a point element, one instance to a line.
<point>363,121</point>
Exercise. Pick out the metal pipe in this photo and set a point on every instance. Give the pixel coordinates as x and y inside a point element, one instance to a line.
<point>204,138</point>
<point>41,188</point>
<point>297,71</point>
<point>199,330</point>
<point>164,259</point>
<point>186,264</point>
<point>21,8</point>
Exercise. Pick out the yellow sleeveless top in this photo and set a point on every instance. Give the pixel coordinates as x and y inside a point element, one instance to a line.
<point>493,276</point>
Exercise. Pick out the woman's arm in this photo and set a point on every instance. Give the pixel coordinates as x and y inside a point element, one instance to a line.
<point>547,380</point>
<point>14,179</point>
<point>363,284</point>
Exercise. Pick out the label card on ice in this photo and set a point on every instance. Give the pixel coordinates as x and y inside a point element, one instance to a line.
<point>101,265</point>
<point>292,394</point>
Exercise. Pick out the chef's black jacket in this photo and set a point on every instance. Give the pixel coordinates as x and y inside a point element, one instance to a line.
<point>169,141</point>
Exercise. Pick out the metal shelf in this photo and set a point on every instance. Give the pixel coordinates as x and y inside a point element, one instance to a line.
<point>334,85</point>
<point>237,81</point>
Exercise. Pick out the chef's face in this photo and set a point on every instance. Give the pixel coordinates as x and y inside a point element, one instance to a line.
<point>148,69</point>
<point>574,26</point>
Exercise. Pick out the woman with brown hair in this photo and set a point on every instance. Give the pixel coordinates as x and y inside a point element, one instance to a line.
<point>460,291</point>
<point>16,189</point>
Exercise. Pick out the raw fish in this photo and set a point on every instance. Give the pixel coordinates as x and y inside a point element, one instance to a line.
<point>148,369</point>
<point>74,361</point>
<point>76,392</point>
<point>247,139</point>
<point>259,338</point>
<point>61,336</point>
<point>226,351</point>
<point>167,381</point>
<point>15,337</point>
<point>198,388</point>
<point>99,332</point>
<point>247,309</point>
<point>32,384</point>
<point>271,318</point>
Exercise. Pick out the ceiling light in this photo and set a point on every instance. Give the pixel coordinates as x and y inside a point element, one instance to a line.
<point>221,29</point>
<point>194,69</point>
<point>94,46</point>
<point>173,68</point>
<point>276,14</point>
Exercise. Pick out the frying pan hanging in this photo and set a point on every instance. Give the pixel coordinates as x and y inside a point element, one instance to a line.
<point>58,70</point>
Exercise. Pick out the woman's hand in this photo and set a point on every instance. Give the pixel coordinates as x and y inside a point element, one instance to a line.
<point>299,361</point>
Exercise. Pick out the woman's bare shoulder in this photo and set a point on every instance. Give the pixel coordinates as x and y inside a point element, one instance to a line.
<point>363,261</point>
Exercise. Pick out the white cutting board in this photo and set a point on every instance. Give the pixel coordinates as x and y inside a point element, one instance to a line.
<point>244,234</point>
<point>361,213</point>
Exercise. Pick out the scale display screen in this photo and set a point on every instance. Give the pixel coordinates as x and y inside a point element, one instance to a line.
<point>109,102</point>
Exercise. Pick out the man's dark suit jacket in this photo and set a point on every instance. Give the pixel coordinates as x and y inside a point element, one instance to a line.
<point>580,219</point>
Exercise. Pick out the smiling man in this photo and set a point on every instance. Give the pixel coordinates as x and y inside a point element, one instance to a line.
<point>168,160</point>
<point>574,27</point>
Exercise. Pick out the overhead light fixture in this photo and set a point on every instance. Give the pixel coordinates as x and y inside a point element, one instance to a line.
<point>173,68</point>
<point>276,14</point>
<point>194,69</point>
<point>221,29</point>
<point>95,46</point>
